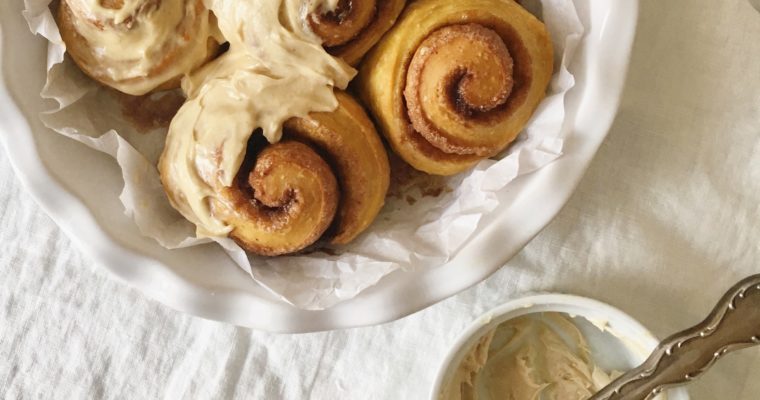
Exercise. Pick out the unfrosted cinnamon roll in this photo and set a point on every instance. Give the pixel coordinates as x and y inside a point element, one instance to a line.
<point>327,176</point>
<point>455,81</point>
<point>354,26</point>
<point>137,46</point>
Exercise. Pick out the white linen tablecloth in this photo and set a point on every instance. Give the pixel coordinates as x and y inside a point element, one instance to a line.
<point>666,219</point>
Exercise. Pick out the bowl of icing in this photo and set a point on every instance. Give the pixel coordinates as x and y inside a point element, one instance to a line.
<point>546,346</point>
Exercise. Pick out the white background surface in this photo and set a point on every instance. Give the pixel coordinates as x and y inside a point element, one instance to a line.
<point>666,219</point>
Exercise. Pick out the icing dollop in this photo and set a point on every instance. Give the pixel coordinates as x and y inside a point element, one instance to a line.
<point>131,37</point>
<point>275,69</point>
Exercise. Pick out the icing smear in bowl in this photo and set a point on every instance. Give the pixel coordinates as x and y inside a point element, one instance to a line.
<point>541,354</point>
<point>544,347</point>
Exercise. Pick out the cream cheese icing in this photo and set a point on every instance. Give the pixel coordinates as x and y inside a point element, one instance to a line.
<point>535,357</point>
<point>138,34</point>
<point>275,69</point>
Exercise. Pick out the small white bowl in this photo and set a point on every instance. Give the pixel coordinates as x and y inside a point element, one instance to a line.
<point>617,341</point>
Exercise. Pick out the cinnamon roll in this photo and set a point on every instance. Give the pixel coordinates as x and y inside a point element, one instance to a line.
<point>354,26</point>
<point>454,82</point>
<point>326,177</point>
<point>137,46</point>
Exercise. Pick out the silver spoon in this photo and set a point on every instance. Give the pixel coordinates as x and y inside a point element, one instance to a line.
<point>733,324</point>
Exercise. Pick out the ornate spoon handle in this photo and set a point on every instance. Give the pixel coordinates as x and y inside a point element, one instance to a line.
<point>733,324</point>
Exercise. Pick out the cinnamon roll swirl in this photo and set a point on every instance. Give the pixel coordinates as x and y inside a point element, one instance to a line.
<point>137,46</point>
<point>327,177</point>
<point>354,26</point>
<point>455,81</point>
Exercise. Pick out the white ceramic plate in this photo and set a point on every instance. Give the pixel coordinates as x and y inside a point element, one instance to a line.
<point>79,188</point>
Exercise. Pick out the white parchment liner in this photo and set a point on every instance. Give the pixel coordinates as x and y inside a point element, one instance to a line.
<point>409,236</point>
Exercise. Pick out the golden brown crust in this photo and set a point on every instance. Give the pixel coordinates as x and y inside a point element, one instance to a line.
<point>350,141</point>
<point>330,171</point>
<point>348,20</point>
<point>351,30</point>
<point>455,82</point>
<point>284,203</point>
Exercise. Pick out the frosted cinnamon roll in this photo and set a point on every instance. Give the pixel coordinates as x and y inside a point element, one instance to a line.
<point>454,82</point>
<point>266,150</point>
<point>352,27</point>
<point>324,175</point>
<point>137,46</point>
<point>328,175</point>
